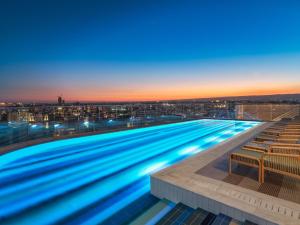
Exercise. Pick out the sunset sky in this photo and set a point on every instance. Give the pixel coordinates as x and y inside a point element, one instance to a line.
<point>147,50</point>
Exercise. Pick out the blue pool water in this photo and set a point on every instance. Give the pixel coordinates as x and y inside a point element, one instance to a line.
<point>91,180</point>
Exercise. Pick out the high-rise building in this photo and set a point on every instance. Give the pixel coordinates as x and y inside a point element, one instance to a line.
<point>60,100</point>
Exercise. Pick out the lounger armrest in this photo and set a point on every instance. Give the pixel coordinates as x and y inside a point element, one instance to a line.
<point>250,148</point>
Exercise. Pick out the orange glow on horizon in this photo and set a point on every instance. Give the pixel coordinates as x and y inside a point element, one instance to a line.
<point>174,97</point>
<point>162,86</point>
<point>177,92</point>
<point>158,94</point>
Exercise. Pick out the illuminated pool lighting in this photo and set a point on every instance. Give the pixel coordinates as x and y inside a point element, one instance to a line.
<point>33,125</point>
<point>66,179</point>
<point>154,168</point>
<point>190,150</point>
<point>219,140</point>
<point>227,132</point>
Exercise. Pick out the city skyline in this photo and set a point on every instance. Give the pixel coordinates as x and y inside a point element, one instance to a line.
<point>148,51</point>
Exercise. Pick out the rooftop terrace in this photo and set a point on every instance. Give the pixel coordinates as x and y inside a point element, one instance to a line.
<point>203,182</point>
<point>276,185</point>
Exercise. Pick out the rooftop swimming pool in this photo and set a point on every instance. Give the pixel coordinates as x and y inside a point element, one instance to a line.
<point>96,179</point>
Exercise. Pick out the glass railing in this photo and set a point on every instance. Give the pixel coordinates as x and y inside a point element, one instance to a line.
<point>266,112</point>
<point>16,131</point>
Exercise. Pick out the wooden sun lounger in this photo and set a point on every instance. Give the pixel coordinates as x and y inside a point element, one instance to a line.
<point>269,146</point>
<point>283,128</point>
<point>293,126</point>
<point>285,164</point>
<point>277,127</point>
<point>264,138</point>
<point>275,150</point>
<point>292,136</point>
<point>257,146</point>
<point>271,131</point>
<point>293,149</point>
<point>281,132</point>
<point>256,154</point>
<point>275,143</point>
<point>291,130</point>
<point>292,140</point>
<point>296,132</point>
<point>248,158</point>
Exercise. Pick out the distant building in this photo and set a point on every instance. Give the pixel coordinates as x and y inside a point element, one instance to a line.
<point>59,100</point>
<point>3,116</point>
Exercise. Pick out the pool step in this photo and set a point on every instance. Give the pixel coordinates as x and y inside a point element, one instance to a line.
<point>155,213</point>
<point>197,217</point>
<point>133,210</point>
<point>184,215</point>
<point>222,219</point>
<point>178,215</point>
<point>164,213</point>
<point>209,219</point>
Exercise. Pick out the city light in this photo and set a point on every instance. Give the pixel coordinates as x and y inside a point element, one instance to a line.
<point>86,123</point>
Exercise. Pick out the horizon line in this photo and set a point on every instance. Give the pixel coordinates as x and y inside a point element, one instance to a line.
<point>159,100</point>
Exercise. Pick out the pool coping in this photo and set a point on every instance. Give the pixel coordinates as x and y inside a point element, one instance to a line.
<point>180,183</point>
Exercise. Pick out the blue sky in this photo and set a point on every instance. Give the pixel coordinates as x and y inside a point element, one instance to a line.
<point>71,46</point>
